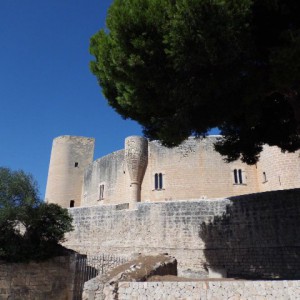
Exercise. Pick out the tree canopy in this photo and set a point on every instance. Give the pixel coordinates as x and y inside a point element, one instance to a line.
<point>182,67</point>
<point>29,228</point>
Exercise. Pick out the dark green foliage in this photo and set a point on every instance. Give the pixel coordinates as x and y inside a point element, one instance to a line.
<point>29,228</point>
<point>182,67</point>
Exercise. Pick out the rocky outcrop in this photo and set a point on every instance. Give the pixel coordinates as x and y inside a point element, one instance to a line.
<point>140,269</point>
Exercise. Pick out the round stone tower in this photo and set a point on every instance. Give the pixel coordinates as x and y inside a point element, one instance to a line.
<point>70,156</point>
<point>136,157</point>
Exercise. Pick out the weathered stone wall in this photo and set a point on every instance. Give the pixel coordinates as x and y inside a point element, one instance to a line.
<point>256,236</point>
<point>250,236</point>
<point>110,172</point>
<point>51,280</point>
<point>191,171</point>
<point>265,290</point>
<point>194,170</point>
<point>282,170</point>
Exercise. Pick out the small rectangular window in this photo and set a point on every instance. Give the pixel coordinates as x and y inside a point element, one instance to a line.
<point>158,181</point>
<point>240,176</point>
<point>235,176</point>
<point>101,192</point>
<point>76,164</point>
<point>264,177</point>
<point>72,203</point>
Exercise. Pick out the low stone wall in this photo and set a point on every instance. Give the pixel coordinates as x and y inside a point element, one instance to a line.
<point>251,236</point>
<point>209,290</point>
<point>51,280</point>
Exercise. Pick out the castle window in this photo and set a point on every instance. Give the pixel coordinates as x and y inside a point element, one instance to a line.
<point>76,165</point>
<point>158,181</point>
<point>101,192</point>
<point>238,176</point>
<point>72,203</point>
<point>264,177</point>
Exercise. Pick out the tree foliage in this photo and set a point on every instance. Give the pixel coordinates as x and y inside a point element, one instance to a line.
<point>182,67</point>
<point>29,228</point>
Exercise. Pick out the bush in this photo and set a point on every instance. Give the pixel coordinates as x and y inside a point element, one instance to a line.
<point>29,228</point>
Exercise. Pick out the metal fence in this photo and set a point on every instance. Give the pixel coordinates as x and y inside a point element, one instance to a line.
<point>104,262</point>
<point>88,267</point>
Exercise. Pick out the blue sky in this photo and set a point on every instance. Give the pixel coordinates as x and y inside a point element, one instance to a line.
<point>46,88</point>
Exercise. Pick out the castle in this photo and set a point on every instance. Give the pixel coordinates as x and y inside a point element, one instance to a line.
<point>254,235</point>
<point>149,172</point>
<point>185,201</point>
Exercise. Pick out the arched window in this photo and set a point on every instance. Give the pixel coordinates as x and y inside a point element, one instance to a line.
<point>72,203</point>
<point>158,181</point>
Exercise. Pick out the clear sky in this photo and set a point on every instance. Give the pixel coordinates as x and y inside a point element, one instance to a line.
<point>46,87</point>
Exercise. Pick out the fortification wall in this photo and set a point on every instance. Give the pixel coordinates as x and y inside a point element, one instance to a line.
<point>194,170</point>
<point>250,236</point>
<point>70,156</point>
<point>109,171</point>
<point>277,170</point>
<point>149,172</point>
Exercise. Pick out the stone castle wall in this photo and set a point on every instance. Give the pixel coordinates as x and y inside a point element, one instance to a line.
<point>107,171</point>
<point>193,170</point>
<point>277,170</point>
<point>250,236</point>
<point>44,280</point>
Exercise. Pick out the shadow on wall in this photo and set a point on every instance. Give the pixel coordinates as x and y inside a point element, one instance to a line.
<point>258,236</point>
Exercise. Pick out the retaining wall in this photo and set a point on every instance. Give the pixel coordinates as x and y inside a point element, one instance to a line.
<point>235,290</point>
<point>251,236</point>
<point>52,279</point>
